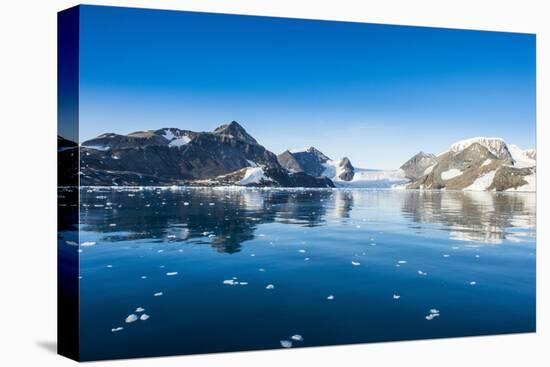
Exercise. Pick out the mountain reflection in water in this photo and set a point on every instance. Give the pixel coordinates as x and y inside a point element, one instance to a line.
<point>227,217</point>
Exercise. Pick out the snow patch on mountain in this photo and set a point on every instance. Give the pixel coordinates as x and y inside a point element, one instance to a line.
<point>452,173</point>
<point>522,158</point>
<point>482,182</point>
<point>530,186</point>
<point>253,175</point>
<point>178,142</point>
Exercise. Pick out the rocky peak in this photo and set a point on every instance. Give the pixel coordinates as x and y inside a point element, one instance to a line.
<point>236,131</point>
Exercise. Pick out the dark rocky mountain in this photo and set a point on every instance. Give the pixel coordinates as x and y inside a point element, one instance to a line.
<point>315,163</point>
<point>474,164</point>
<point>415,167</point>
<point>345,170</point>
<point>175,156</point>
<point>310,161</point>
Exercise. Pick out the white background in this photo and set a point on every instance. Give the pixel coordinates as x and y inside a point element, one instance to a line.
<point>28,182</point>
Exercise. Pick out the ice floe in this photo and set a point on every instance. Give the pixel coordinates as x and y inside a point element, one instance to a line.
<point>131,318</point>
<point>140,309</point>
<point>144,317</point>
<point>473,283</point>
<point>355,263</point>
<point>396,296</point>
<point>286,343</point>
<point>269,286</point>
<point>433,314</point>
<point>171,273</point>
<point>297,337</point>
<point>115,329</point>
<point>87,244</point>
<point>158,294</point>
<point>420,272</point>
<point>330,298</point>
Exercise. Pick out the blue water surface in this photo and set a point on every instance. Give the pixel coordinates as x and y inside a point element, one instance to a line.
<point>248,269</point>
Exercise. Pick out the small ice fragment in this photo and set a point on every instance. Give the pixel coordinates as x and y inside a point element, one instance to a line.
<point>71,243</point>
<point>171,236</point>
<point>109,266</point>
<point>473,283</point>
<point>158,294</point>
<point>171,273</point>
<point>286,344</point>
<point>243,283</point>
<point>446,255</point>
<point>87,244</point>
<point>396,296</point>
<point>269,286</point>
<point>261,269</point>
<point>131,318</point>
<point>402,262</point>
<point>434,311</point>
<point>355,263</point>
<point>112,225</point>
<point>358,226</point>
<point>144,317</point>
<point>306,259</point>
<point>252,255</point>
<point>477,256</point>
<point>160,251</point>
<point>185,203</point>
<point>143,277</point>
<point>330,298</point>
<point>302,251</point>
<point>297,337</point>
<point>114,330</point>
<point>140,309</point>
<point>420,272</point>
<point>229,282</point>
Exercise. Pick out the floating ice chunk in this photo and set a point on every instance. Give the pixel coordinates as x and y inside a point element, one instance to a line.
<point>420,272</point>
<point>302,251</point>
<point>355,263</point>
<point>297,337</point>
<point>109,266</point>
<point>112,225</point>
<point>252,255</point>
<point>171,236</point>
<point>143,277</point>
<point>159,251</point>
<point>396,296</point>
<point>243,283</point>
<point>229,282</point>
<point>114,330</point>
<point>286,344</point>
<point>477,256</point>
<point>261,269</point>
<point>71,243</point>
<point>140,309</point>
<point>144,317</point>
<point>330,298</point>
<point>402,262</point>
<point>131,318</point>
<point>87,244</point>
<point>306,259</point>
<point>185,203</point>
<point>433,314</point>
<point>446,255</point>
<point>171,273</point>
<point>269,286</point>
<point>473,283</point>
<point>158,294</point>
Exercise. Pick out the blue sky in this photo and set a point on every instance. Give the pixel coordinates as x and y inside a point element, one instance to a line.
<point>377,94</point>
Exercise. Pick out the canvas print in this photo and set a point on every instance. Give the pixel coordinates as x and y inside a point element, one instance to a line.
<point>236,183</point>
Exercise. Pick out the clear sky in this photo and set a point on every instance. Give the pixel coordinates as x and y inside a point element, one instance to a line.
<point>374,93</point>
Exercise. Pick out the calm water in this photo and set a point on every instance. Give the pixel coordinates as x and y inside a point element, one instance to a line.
<point>386,257</point>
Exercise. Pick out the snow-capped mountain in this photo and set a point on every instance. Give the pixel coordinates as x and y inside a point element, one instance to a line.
<point>228,155</point>
<point>478,164</point>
